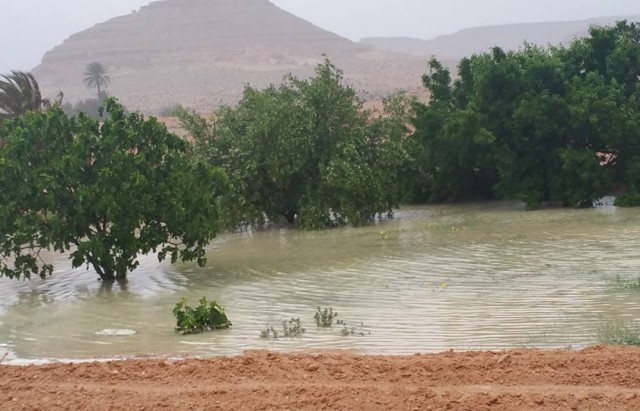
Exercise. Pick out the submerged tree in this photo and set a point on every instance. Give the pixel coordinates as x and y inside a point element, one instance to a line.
<point>538,124</point>
<point>95,76</point>
<point>304,151</point>
<point>19,93</point>
<point>105,192</point>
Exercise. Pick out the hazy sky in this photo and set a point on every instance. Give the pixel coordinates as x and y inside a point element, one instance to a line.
<point>31,27</point>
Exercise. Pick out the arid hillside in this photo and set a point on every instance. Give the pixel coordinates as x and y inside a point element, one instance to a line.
<point>201,53</point>
<point>479,39</point>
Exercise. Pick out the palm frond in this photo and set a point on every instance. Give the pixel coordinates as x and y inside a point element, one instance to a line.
<point>19,93</point>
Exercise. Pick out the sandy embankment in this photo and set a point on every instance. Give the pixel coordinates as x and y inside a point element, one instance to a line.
<point>598,378</point>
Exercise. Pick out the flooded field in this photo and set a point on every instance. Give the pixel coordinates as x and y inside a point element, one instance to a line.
<point>484,276</point>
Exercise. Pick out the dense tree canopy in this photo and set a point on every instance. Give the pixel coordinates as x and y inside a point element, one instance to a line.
<point>306,151</point>
<point>104,192</point>
<point>538,124</point>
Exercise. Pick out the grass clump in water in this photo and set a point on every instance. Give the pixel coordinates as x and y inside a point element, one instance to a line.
<point>290,328</point>
<point>619,333</point>
<point>324,317</point>
<point>348,330</point>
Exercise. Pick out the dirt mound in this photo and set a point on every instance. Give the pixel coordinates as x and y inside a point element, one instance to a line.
<point>201,53</point>
<point>599,378</point>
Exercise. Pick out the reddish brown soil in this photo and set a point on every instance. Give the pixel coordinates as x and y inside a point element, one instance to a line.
<point>598,378</point>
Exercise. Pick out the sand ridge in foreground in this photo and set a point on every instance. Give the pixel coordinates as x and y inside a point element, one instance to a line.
<point>596,378</point>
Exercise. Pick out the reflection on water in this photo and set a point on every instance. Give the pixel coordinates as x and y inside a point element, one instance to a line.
<point>486,276</point>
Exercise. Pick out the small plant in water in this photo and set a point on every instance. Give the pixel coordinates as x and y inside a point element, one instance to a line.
<point>290,328</point>
<point>205,317</point>
<point>324,317</point>
<point>348,330</point>
<point>269,332</point>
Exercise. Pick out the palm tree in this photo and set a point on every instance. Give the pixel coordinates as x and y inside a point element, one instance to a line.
<point>95,76</point>
<point>19,93</point>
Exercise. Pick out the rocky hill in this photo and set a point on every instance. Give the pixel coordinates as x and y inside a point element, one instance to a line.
<point>476,40</point>
<point>201,53</point>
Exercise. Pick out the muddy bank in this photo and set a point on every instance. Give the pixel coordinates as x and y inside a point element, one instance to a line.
<point>596,378</point>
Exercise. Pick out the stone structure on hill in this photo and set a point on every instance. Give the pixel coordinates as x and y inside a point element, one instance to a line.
<point>201,53</point>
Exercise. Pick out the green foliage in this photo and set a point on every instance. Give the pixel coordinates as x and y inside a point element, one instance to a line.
<point>629,199</point>
<point>554,124</point>
<point>583,180</point>
<point>205,317</point>
<point>324,317</point>
<point>104,192</point>
<point>306,152</point>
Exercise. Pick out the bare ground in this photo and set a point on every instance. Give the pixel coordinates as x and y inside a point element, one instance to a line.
<point>597,378</point>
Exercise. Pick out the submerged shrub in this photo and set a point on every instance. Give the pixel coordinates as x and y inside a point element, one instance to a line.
<point>290,328</point>
<point>324,317</point>
<point>205,317</point>
<point>350,329</point>
<point>630,199</point>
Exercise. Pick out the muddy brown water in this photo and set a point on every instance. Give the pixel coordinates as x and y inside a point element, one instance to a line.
<point>479,276</point>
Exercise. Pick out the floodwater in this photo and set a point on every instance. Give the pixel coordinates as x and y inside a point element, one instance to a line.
<point>479,276</point>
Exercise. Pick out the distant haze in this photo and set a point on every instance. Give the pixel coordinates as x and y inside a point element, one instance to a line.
<point>32,27</point>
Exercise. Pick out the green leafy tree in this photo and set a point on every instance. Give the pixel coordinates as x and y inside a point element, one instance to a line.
<point>305,151</point>
<point>19,93</point>
<point>104,192</point>
<point>538,124</point>
<point>582,179</point>
<point>455,160</point>
<point>605,76</point>
<point>95,76</point>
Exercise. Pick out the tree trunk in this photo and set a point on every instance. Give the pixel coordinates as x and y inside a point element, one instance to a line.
<point>107,287</point>
<point>108,275</point>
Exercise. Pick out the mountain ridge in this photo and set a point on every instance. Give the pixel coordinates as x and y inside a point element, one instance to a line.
<point>468,41</point>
